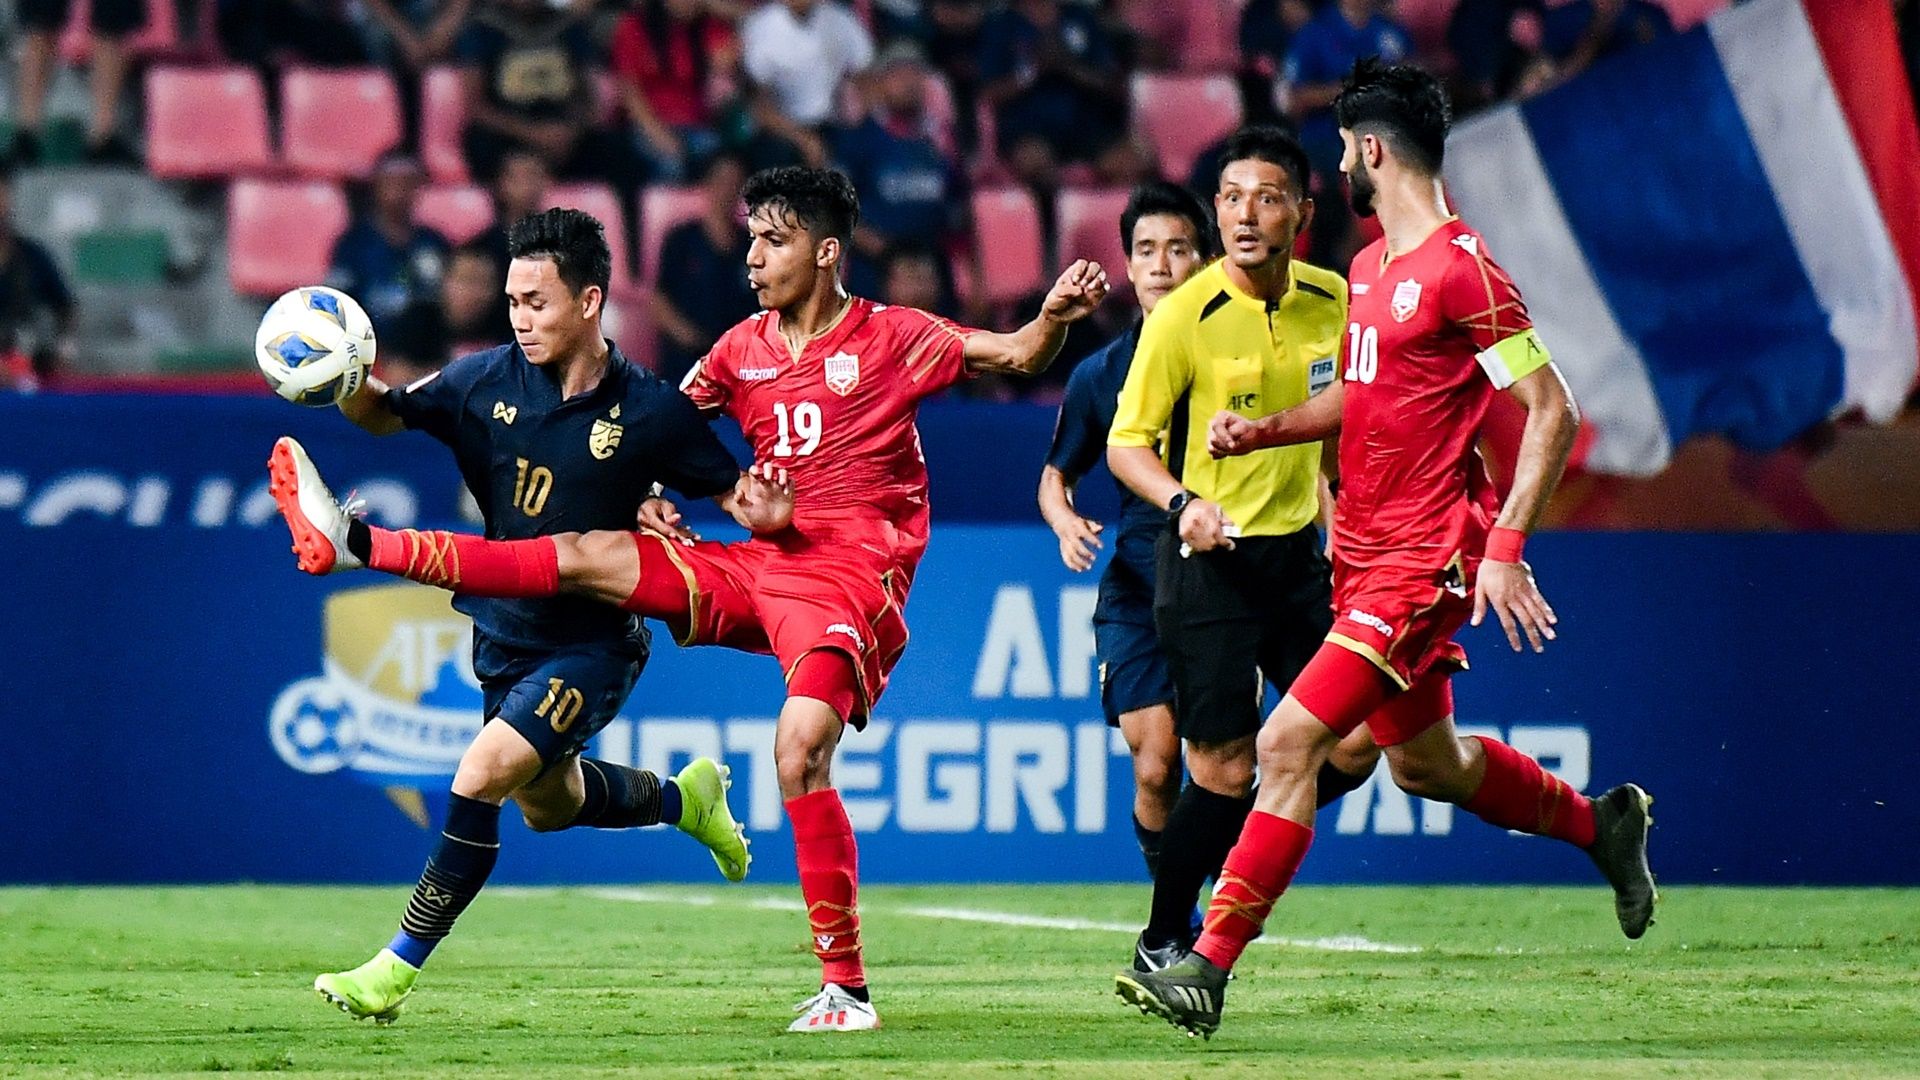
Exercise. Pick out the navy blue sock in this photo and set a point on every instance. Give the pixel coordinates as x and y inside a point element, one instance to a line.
<point>622,798</point>
<point>458,868</point>
<point>1149,841</point>
<point>669,802</point>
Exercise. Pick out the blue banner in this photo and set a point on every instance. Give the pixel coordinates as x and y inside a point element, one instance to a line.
<point>186,706</point>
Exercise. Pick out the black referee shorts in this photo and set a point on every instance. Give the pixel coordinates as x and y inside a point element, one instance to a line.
<point>1231,621</point>
<point>111,18</point>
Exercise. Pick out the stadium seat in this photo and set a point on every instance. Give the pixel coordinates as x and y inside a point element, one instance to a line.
<point>599,200</point>
<point>160,37</point>
<point>181,142</point>
<point>1088,224</point>
<point>458,212</point>
<point>1182,115</point>
<point>1198,35</point>
<point>1006,232</point>
<point>336,122</point>
<point>280,233</point>
<point>662,208</point>
<point>443,114</point>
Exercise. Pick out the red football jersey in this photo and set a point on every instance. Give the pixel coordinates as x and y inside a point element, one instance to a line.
<point>840,416</point>
<point>1419,375</point>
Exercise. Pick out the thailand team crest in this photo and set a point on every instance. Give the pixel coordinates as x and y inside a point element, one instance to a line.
<point>843,373</point>
<point>604,439</point>
<point>1406,300</point>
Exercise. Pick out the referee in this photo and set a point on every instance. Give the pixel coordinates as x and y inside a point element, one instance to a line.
<point>1242,590</point>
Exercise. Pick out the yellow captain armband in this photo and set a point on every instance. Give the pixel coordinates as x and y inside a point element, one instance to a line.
<point>1508,361</point>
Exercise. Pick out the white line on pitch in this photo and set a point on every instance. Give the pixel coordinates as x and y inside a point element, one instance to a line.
<point>1339,943</point>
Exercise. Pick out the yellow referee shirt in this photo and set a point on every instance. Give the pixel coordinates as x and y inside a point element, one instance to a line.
<point>1207,347</point>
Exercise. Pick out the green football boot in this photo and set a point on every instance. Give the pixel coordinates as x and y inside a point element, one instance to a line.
<point>705,817</point>
<point>376,989</point>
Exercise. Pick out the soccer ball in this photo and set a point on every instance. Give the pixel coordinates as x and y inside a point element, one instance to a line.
<point>314,346</point>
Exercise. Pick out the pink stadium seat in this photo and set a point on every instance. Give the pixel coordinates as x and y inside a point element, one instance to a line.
<point>206,122</point>
<point>1182,115</point>
<point>1088,220</point>
<point>1006,232</point>
<point>159,37</point>
<point>280,233</point>
<point>336,122</point>
<point>443,113</point>
<point>458,212</point>
<point>1687,14</point>
<point>661,209</point>
<point>599,200</point>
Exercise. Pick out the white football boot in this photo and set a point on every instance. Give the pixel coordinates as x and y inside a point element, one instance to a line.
<point>834,1009</point>
<point>318,523</point>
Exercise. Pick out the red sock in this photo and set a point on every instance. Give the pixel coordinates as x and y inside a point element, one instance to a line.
<point>1259,868</point>
<point>1518,794</point>
<point>829,882</point>
<point>468,564</point>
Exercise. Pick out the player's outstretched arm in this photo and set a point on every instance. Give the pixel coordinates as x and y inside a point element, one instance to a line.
<point>367,407</point>
<point>1506,584</point>
<point>1316,418</point>
<point>1028,350</point>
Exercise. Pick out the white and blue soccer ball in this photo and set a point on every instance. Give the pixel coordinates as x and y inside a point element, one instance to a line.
<point>314,345</point>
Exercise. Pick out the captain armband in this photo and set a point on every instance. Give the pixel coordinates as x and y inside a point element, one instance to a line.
<point>1508,361</point>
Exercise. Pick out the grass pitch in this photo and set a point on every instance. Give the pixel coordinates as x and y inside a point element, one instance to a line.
<point>576,982</point>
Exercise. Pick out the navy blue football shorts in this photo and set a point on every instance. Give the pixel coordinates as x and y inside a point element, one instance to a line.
<point>557,698</point>
<point>1133,669</point>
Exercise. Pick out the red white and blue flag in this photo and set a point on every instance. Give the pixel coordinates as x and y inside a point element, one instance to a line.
<point>1717,233</point>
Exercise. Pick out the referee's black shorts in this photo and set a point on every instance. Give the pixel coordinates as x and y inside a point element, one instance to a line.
<point>1230,621</point>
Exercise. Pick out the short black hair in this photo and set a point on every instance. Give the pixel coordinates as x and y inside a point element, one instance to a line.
<point>1161,197</point>
<point>1401,104</point>
<point>1274,145</point>
<point>575,241</point>
<point>821,200</point>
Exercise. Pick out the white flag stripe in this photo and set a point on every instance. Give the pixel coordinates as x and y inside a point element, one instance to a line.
<point>1502,191</point>
<point>1780,83</point>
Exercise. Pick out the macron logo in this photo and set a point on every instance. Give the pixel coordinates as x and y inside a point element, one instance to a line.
<point>1368,619</point>
<point>1468,244</point>
<point>843,628</point>
<point>758,374</point>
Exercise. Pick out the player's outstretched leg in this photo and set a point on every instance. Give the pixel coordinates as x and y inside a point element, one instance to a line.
<point>705,816</point>
<point>1621,818</point>
<point>318,521</point>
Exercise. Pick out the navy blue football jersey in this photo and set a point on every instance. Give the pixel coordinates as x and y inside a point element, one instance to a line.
<point>1080,443</point>
<point>539,465</point>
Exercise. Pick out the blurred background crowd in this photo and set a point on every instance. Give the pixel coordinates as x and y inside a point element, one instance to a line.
<point>173,163</point>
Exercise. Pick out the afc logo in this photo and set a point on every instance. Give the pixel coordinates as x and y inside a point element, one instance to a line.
<point>1243,402</point>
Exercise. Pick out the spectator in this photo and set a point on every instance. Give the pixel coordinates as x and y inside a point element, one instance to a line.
<point>408,37</point>
<point>470,295</point>
<point>1522,47</point>
<point>1267,29</point>
<point>1322,54</point>
<point>919,277</point>
<point>797,53</point>
<point>909,190</point>
<point>36,309</point>
<point>520,189</point>
<point>383,259</point>
<point>703,272</point>
<point>1054,81</point>
<point>111,21</point>
<point>273,34</point>
<point>954,44</point>
<point>671,56</point>
<point>527,70</point>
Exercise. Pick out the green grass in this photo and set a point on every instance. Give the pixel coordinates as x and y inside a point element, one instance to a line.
<point>1508,983</point>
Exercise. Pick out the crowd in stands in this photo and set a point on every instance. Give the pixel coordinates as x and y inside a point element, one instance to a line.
<point>925,103</point>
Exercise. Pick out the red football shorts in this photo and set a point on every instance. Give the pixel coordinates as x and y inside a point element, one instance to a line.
<point>795,593</point>
<point>1401,620</point>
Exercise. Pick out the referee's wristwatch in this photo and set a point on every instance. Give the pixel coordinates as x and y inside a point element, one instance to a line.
<point>1178,504</point>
